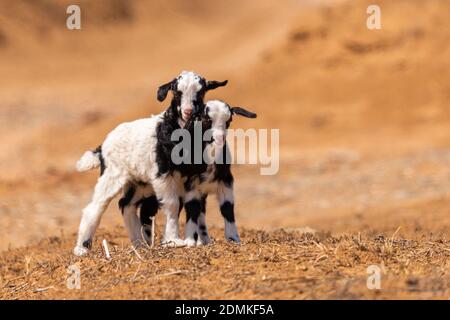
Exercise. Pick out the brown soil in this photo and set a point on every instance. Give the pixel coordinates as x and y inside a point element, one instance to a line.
<point>283,264</point>
<point>364,122</point>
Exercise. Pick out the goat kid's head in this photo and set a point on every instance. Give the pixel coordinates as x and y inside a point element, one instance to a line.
<point>217,117</point>
<point>188,90</point>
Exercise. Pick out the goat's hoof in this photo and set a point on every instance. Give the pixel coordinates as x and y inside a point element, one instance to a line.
<point>203,241</point>
<point>80,251</point>
<point>147,233</point>
<point>190,242</point>
<point>234,239</point>
<point>173,243</point>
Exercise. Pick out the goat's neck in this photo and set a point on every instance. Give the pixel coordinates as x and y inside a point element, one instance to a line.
<point>213,150</point>
<point>181,122</point>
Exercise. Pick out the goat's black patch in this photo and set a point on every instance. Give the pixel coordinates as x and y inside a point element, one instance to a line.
<point>165,145</point>
<point>148,232</point>
<point>242,112</point>
<point>98,151</point>
<point>164,89</point>
<point>227,210</point>
<point>87,244</point>
<point>223,174</point>
<point>215,84</point>
<point>148,208</point>
<point>189,184</point>
<point>192,210</point>
<point>203,203</point>
<point>195,236</point>
<point>126,199</point>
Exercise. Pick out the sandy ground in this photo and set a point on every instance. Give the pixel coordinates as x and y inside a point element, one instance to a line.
<point>364,121</point>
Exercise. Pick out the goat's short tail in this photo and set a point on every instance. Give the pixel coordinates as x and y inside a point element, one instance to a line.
<point>90,160</point>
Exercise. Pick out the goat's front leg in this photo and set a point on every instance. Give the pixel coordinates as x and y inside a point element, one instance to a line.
<point>225,196</point>
<point>171,232</point>
<point>202,229</point>
<point>192,206</point>
<point>168,195</point>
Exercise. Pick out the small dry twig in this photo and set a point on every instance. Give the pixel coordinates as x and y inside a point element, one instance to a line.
<point>43,289</point>
<point>137,253</point>
<point>105,247</point>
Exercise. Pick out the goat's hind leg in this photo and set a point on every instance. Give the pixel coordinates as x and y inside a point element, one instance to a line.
<point>107,187</point>
<point>128,205</point>
<point>148,209</point>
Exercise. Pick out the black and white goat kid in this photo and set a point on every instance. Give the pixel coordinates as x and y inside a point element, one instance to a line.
<point>134,159</point>
<point>212,176</point>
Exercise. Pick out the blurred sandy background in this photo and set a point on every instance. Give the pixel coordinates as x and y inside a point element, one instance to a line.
<point>364,115</point>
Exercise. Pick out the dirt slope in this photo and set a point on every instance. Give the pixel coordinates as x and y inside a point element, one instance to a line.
<point>284,264</point>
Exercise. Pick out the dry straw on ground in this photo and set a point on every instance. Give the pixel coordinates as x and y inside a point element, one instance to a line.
<point>278,264</point>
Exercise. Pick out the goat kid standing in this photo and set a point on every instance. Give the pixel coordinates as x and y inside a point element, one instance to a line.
<point>135,154</point>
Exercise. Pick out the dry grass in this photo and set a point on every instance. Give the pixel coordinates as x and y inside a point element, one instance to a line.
<point>278,264</point>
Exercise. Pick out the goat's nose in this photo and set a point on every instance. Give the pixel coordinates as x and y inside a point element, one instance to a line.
<point>187,108</point>
<point>187,112</point>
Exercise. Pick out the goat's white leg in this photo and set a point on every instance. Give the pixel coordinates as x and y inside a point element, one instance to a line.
<point>171,231</point>
<point>167,191</point>
<point>107,187</point>
<point>225,196</point>
<point>202,229</point>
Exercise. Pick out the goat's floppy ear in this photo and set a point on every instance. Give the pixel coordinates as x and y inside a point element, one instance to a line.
<point>242,112</point>
<point>210,85</point>
<point>164,89</point>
